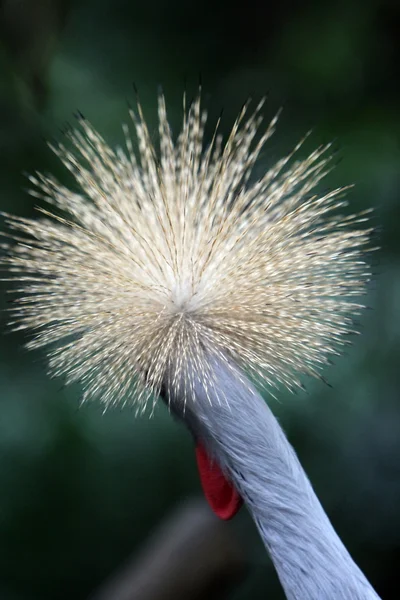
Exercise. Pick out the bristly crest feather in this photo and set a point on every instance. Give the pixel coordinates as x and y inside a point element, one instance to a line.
<point>172,256</point>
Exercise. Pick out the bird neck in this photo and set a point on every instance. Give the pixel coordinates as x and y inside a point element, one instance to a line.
<point>251,448</point>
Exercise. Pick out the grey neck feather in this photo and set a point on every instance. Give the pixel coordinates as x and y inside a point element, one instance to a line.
<point>250,446</point>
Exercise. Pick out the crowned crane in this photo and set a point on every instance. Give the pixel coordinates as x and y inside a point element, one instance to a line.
<point>174,272</point>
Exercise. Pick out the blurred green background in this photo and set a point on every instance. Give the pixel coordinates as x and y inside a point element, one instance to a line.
<point>81,490</point>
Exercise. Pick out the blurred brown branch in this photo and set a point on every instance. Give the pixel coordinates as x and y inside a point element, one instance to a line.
<point>192,555</point>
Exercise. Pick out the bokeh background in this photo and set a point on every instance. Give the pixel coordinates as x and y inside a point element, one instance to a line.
<point>80,490</point>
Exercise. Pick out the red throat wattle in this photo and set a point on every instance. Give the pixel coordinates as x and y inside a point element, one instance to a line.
<point>220,493</point>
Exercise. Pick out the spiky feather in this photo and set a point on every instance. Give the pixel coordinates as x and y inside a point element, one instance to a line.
<point>170,256</point>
